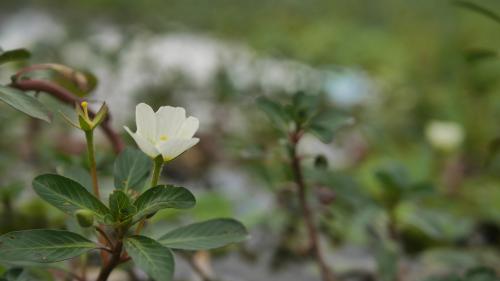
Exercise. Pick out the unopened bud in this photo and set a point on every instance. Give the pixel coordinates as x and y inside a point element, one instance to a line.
<point>85,218</point>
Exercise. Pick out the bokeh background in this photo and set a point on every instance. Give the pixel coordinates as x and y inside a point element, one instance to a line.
<point>420,78</point>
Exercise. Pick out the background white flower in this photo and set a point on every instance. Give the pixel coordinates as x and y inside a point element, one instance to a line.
<point>445,135</point>
<point>167,132</point>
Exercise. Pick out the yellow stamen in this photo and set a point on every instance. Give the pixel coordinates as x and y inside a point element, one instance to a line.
<point>163,138</point>
<point>85,106</point>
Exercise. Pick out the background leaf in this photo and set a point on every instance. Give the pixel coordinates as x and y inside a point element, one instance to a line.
<point>162,197</point>
<point>152,257</point>
<point>14,55</point>
<point>42,246</point>
<point>275,112</point>
<point>326,124</point>
<point>205,235</point>
<point>131,170</point>
<point>24,103</point>
<point>68,195</point>
<point>478,9</point>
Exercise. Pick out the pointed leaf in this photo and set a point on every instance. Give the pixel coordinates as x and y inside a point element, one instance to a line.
<point>132,168</point>
<point>68,195</point>
<point>121,206</point>
<point>24,103</point>
<point>152,257</point>
<point>14,55</point>
<point>42,246</point>
<point>205,235</point>
<point>326,124</point>
<point>162,197</point>
<point>275,112</point>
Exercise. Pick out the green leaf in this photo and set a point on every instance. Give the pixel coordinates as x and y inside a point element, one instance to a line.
<point>476,55</point>
<point>121,206</point>
<point>132,168</point>
<point>162,197</point>
<point>78,174</point>
<point>152,257</point>
<point>68,195</point>
<point>77,82</point>
<point>42,246</point>
<point>478,9</point>
<point>275,112</point>
<point>24,103</point>
<point>27,274</point>
<point>205,235</point>
<point>326,124</point>
<point>14,55</point>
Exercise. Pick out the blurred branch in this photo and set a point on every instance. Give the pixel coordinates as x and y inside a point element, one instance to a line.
<point>66,97</point>
<point>326,272</point>
<point>478,9</point>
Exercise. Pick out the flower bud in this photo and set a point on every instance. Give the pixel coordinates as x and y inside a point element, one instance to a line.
<point>85,218</point>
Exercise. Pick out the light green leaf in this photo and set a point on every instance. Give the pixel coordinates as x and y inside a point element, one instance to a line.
<point>205,235</point>
<point>24,103</point>
<point>68,195</point>
<point>162,197</point>
<point>152,257</point>
<point>42,246</point>
<point>14,55</point>
<point>132,168</point>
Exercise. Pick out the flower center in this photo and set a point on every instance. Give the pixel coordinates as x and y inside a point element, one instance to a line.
<point>163,137</point>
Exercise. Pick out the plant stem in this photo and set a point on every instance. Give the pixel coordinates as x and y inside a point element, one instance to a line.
<point>89,135</point>
<point>157,167</point>
<point>326,273</point>
<point>112,263</point>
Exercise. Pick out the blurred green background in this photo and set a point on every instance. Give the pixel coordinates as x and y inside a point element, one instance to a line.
<point>420,79</point>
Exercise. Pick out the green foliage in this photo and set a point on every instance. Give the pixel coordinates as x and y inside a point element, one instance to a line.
<point>473,274</point>
<point>471,6</point>
<point>68,195</point>
<point>162,197</point>
<point>14,55</point>
<point>131,170</point>
<point>305,113</point>
<point>24,103</point>
<point>42,246</point>
<point>122,209</point>
<point>151,256</point>
<point>205,235</point>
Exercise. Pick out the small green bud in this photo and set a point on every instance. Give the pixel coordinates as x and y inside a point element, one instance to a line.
<point>320,162</point>
<point>85,218</point>
<point>86,122</point>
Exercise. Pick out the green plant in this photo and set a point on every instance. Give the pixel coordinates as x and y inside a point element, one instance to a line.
<point>305,115</point>
<point>115,228</point>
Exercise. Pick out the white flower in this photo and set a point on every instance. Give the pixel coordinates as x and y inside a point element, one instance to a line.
<point>166,132</point>
<point>444,135</point>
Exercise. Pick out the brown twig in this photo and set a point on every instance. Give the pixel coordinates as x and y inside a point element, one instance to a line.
<point>314,243</point>
<point>104,235</point>
<point>112,263</point>
<point>66,97</point>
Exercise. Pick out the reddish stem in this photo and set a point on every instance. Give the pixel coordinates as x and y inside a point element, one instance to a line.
<point>66,97</point>
<point>314,243</point>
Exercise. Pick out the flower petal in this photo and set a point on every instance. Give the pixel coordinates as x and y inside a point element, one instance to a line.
<point>168,121</point>
<point>189,127</point>
<point>145,145</point>
<point>174,147</point>
<point>146,121</point>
